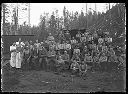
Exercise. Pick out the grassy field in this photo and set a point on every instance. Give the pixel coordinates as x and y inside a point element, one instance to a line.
<point>41,81</point>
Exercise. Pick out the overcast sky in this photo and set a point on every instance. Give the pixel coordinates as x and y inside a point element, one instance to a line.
<point>39,8</point>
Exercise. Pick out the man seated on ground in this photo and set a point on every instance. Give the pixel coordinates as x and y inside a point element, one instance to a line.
<point>76,58</point>
<point>96,63</point>
<point>112,56</point>
<point>83,68</point>
<point>103,61</point>
<point>75,67</point>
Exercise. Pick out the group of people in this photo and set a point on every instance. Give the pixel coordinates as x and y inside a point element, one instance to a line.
<point>80,53</point>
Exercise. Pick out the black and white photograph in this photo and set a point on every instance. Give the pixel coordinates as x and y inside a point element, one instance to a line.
<point>63,47</point>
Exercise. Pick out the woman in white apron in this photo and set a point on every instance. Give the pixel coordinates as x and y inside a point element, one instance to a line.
<point>13,55</point>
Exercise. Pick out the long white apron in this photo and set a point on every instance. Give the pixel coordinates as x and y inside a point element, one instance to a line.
<point>13,59</point>
<point>18,60</point>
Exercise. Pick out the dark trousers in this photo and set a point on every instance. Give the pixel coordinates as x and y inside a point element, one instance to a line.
<point>93,66</point>
<point>31,64</point>
<point>89,63</point>
<point>25,65</point>
<point>35,63</point>
<point>97,66</point>
<point>59,67</point>
<point>103,66</point>
<point>43,63</point>
<point>75,72</point>
<point>51,62</point>
<point>109,66</point>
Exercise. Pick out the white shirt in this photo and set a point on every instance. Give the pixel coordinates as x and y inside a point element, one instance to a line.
<point>22,44</point>
<point>12,48</point>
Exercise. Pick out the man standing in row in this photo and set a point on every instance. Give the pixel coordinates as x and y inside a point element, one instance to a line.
<point>42,57</point>
<point>19,55</point>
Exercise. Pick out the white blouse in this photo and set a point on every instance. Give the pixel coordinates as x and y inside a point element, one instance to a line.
<point>12,48</point>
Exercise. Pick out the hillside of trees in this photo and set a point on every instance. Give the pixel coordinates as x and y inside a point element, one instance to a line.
<point>113,21</point>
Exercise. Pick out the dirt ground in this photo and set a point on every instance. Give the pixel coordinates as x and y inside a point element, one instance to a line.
<point>41,81</point>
